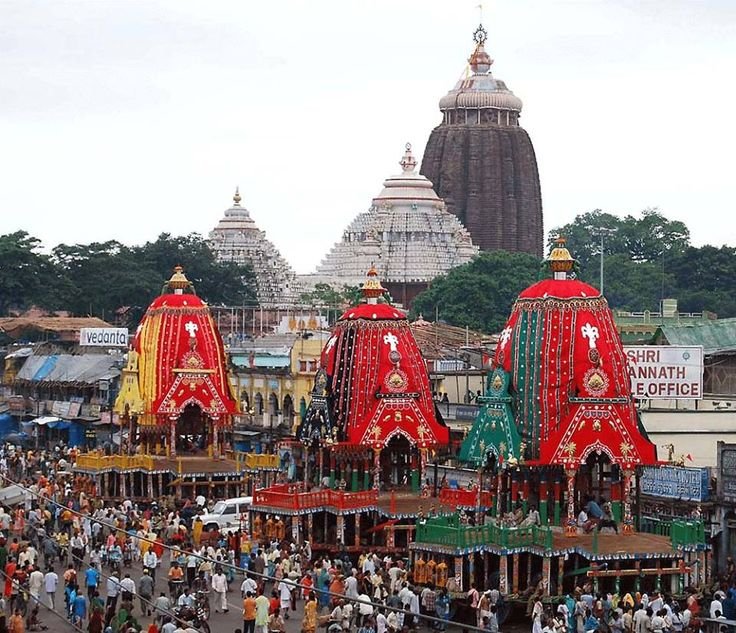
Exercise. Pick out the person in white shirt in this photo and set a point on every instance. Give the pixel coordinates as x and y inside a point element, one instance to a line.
<point>656,603</point>
<point>186,599</point>
<point>249,586</point>
<point>365,608</point>
<point>284,589</point>
<point>219,586</point>
<point>127,585</point>
<point>35,582</point>
<point>351,586</point>
<point>716,605</point>
<point>150,562</point>
<point>50,582</point>
<point>369,565</point>
<point>113,589</point>
<point>381,622</point>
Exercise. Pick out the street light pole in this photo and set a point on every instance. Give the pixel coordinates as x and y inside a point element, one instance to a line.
<point>601,284</point>
<point>602,231</point>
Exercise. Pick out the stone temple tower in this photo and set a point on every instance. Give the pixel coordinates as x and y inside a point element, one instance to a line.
<point>482,163</point>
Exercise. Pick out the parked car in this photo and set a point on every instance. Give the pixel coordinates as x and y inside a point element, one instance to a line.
<point>228,515</point>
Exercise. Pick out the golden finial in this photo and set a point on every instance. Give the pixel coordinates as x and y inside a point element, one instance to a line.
<point>236,197</point>
<point>560,260</point>
<point>178,281</point>
<point>372,288</point>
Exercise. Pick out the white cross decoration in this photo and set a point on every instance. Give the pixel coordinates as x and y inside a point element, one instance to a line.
<point>391,340</point>
<point>591,333</point>
<point>505,336</point>
<point>191,327</point>
<point>331,343</point>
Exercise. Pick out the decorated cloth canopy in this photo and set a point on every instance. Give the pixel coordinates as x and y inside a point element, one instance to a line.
<point>494,430</point>
<point>569,384</point>
<point>374,384</point>
<point>181,358</point>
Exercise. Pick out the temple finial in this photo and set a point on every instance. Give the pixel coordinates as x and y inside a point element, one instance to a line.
<point>408,162</point>
<point>372,288</point>
<point>236,197</point>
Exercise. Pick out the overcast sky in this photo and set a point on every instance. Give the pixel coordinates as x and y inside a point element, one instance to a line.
<point>124,119</point>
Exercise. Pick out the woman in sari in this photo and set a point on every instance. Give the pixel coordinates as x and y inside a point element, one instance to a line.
<point>309,624</point>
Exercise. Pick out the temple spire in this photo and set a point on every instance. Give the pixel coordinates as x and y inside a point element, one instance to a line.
<point>236,197</point>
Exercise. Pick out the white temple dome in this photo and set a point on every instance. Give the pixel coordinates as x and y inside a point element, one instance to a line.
<point>407,234</point>
<point>237,238</point>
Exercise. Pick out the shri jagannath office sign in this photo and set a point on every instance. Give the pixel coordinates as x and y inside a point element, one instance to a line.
<point>675,482</point>
<point>666,371</point>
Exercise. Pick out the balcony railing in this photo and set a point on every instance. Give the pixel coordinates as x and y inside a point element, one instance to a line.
<point>464,498</point>
<point>682,532</point>
<point>92,461</point>
<point>294,497</point>
<point>448,531</point>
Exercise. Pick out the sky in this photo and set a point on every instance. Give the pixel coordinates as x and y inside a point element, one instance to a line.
<point>124,119</point>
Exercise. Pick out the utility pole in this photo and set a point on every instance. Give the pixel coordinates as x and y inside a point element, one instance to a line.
<point>602,231</point>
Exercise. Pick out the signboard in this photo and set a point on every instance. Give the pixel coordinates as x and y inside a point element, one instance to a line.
<point>103,337</point>
<point>675,482</point>
<point>727,471</point>
<point>666,371</point>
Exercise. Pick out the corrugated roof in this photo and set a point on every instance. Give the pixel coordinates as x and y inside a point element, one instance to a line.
<point>88,368</point>
<point>16,326</point>
<point>716,337</point>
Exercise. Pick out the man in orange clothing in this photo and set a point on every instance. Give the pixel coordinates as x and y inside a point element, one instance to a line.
<point>10,568</point>
<point>249,613</point>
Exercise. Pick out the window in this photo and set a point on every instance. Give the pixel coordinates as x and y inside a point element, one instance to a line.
<point>230,509</point>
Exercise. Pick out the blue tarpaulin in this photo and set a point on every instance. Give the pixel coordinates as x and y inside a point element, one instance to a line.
<point>76,434</point>
<point>7,425</point>
<point>46,368</point>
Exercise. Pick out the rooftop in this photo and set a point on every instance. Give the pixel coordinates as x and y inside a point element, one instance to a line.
<point>716,337</point>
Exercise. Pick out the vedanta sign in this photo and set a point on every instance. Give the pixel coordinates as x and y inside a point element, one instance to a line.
<point>666,371</point>
<point>103,337</point>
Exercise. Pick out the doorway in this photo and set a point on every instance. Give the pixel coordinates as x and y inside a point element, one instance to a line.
<point>396,462</point>
<point>192,431</point>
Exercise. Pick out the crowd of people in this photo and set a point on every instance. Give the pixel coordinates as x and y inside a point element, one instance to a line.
<point>124,568</point>
<point>61,539</point>
<point>585,611</point>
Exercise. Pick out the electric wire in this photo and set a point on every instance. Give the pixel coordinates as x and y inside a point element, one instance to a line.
<point>238,570</point>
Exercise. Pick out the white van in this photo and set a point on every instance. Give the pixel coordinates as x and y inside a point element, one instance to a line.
<point>228,515</point>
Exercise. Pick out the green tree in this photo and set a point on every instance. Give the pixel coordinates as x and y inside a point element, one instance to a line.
<point>704,279</point>
<point>479,294</point>
<point>27,277</point>
<point>583,236</point>
<point>648,238</point>
<point>630,285</point>
<point>103,277</point>
<point>334,300</point>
